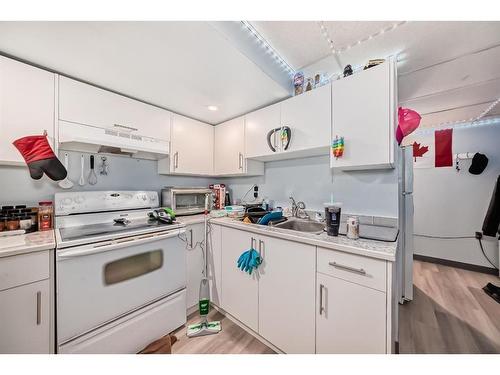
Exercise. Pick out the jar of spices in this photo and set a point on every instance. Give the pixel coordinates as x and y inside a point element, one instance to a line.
<point>25,222</point>
<point>45,213</point>
<point>33,214</point>
<point>3,223</point>
<point>12,223</point>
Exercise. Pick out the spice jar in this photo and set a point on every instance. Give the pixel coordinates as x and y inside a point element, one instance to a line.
<point>25,222</point>
<point>12,223</point>
<point>45,213</point>
<point>3,223</point>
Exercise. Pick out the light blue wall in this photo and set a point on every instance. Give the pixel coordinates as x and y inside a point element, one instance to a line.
<point>307,179</point>
<point>17,187</point>
<point>311,180</point>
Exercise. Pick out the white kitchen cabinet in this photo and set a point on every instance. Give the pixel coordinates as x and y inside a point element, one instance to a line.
<point>240,291</point>
<point>214,259</point>
<point>27,100</point>
<point>89,105</point>
<point>363,112</point>
<point>192,148</point>
<point>350,318</point>
<point>195,263</point>
<point>24,319</point>
<point>287,294</point>
<point>309,117</point>
<point>229,152</point>
<point>258,124</point>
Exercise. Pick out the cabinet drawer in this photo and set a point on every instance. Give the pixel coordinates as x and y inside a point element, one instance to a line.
<point>358,269</point>
<point>22,269</point>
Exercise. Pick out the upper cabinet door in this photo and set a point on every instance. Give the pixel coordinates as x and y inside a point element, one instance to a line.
<point>27,97</point>
<point>309,117</point>
<point>230,147</point>
<point>257,125</point>
<point>89,105</point>
<point>192,150</point>
<point>363,107</point>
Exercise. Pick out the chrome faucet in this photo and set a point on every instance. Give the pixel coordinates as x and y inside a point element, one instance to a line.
<point>296,207</point>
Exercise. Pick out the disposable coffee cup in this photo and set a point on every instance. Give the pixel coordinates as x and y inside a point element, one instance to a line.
<point>332,215</point>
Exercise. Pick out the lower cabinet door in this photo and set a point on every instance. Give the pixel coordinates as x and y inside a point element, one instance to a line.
<point>350,318</point>
<point>287,294</point>
<point>24,319</point>
<point>195,262</point>
<point>240,291</point>
<point>214,259</point>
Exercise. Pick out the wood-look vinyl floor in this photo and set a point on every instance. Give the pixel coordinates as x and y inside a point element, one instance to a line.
<point>231,340</point>
<point>450,313</point>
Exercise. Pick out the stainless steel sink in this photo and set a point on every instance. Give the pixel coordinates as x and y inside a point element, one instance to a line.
<point>301,225</point>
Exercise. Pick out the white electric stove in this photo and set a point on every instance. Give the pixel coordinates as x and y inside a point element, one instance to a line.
<point>120,276</point>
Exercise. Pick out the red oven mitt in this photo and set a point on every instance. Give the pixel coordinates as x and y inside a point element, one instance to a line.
<point>38,155</point>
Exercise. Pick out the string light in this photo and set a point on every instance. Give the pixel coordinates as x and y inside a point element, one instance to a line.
<point>464,124</point>
<point>325,34</point>
<point>267,47</point>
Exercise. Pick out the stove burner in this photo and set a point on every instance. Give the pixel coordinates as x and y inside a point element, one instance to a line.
<point>122,221</point>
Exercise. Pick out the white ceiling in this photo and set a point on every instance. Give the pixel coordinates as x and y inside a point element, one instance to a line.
<point>181,66</point>
<point>447,70</point>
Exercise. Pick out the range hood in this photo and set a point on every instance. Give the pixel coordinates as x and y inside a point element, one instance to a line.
<point>92,139</point>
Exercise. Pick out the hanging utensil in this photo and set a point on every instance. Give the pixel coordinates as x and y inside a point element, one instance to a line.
<point>66,183</point>
<point>81,181</point>
<point>104,166</point>
<point>92,175</point>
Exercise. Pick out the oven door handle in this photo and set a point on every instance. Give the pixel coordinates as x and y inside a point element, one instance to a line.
<point>116,244</point>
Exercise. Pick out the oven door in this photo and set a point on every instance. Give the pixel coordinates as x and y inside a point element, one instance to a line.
<point>101,282</point>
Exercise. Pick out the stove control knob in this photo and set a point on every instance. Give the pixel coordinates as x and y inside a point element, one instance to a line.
<point>66,201</point>
<point>79,199</point>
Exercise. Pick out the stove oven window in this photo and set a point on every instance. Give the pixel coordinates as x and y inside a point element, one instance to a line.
<point>132,266</point>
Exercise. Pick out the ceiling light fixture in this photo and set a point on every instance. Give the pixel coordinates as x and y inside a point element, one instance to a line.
<point>212,107</point>
<point>268,48</point>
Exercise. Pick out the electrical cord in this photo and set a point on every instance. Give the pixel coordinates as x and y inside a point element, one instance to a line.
<point>442,237</point>
<point>478,237</point>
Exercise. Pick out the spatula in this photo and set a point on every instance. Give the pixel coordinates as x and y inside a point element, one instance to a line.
<point>66,183</point>
<point>81,181</point>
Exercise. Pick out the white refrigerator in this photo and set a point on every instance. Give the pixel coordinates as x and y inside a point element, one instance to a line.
<point>404,256</point>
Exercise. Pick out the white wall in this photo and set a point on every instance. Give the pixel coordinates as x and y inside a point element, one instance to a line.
<point>17,187</point>
<point>311,180</point>
<point>448,203</point>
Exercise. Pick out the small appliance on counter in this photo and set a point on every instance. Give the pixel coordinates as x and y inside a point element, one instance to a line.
<point>332,216</point>
<point>186,201</point>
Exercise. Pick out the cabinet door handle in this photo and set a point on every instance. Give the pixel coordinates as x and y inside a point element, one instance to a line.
<point>191,238</point>
<point>125,127</point>
<point>261,244</point>
<point>321,308</point>
<point>38,308</point>
<point>240,160</point>
<point>252,241</point>
<point>176,160</point>
<point>360,271</point>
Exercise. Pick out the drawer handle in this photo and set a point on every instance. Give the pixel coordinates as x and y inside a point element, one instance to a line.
<point>360,271</point>
<point>38,308</point>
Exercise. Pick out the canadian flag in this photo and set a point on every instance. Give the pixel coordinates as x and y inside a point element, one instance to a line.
<point>433,150</point>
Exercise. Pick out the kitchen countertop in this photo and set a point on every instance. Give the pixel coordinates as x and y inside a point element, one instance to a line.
<point>27,243</point>
<point>191,219</point>
<point>364,247</point>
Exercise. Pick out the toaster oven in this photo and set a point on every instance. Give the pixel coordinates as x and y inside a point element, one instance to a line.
<point>186,201</point>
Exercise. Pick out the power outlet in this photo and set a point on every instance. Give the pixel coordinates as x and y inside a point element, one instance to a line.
<point>255,191</point>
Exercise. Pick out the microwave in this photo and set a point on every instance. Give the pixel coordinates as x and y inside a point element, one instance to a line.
<point>186,201</point>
